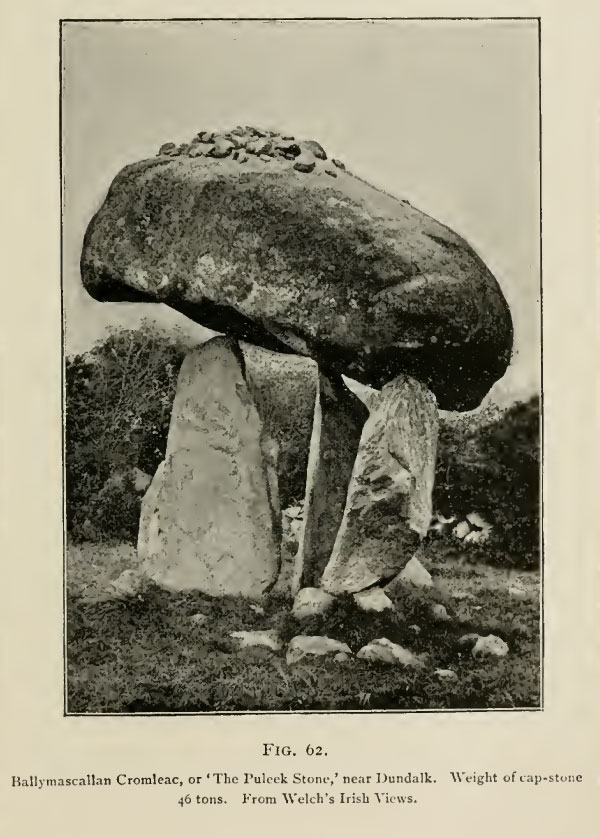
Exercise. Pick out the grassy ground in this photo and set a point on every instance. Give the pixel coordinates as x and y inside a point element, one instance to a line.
<point>146,653</point>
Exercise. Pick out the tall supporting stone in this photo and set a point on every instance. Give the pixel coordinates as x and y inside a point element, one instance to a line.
<point>209,515</point>
<point>388,505</point>
<point>338,421</point>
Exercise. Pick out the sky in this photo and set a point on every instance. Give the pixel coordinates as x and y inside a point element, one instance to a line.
<point>443,113</point>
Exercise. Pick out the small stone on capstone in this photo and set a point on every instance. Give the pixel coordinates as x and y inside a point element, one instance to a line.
<point>304,166</point>
<point>338,163</point>
<point>292,149</point>
<point>316,149</point>
<point>221,148</point>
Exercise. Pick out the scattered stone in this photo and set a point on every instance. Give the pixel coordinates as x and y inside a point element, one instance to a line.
<point>416,574</point>
<point>338,163</point>
<point>373,599</point>
<point>206,136</point>
<point>476,520</point>
<point>467,640</point>
<point>477,536</point>
<point>517,593</point>
<point>385,651</point>
<point>304,164</point>
<point>439,523</point>
<point>246,639</point>
<point>341,657</point>
<point>316,149</point>
<point>265,158</point>
<point>207,519</point>
<point>311,602</point>
<point>462,595</point>
<point>303,646</point>
<point>197,151</point>
<point>258,609</point>
<point>388,503</point>
<point>330,172</point>
<point>446,674</point>
<point>462,529</point>
<point>439,613</point>
<point>167,148</point>
<point>415,628</point>
<point>490,646</point>
<point>198,619</point>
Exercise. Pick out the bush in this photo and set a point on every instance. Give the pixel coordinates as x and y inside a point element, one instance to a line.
<point>118,408</point>
<point>492,465</point>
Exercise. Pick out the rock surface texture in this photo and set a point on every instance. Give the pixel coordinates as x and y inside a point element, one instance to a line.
<point>384,651</point>
<point>266,239</point>
<point>338,422</point>
<point>388,506</point>
<point>310,646</point>
<point>209,517</point>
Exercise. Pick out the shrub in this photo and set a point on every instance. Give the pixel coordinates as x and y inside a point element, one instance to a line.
<point>118,408</point>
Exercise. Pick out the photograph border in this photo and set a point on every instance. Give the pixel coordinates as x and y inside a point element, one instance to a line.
<point>292,713</point>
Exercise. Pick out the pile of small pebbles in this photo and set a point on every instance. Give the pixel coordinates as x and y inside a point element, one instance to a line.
<point>243,143</point>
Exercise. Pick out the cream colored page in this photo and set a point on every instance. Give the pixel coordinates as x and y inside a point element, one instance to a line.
<point>522,765</point>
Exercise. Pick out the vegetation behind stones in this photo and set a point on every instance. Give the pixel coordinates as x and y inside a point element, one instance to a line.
<point>118,407</point>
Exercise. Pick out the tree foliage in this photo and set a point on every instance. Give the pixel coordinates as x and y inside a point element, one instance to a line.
<point>118,407</point>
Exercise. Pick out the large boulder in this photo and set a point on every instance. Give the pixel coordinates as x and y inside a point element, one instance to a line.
<point>264,238</point>
<point>209,519</point>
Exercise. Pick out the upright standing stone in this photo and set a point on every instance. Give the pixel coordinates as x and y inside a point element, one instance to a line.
<point>388,507</point>
<point>283,388</point>
<point>338,421</point>
<point>208,517</point>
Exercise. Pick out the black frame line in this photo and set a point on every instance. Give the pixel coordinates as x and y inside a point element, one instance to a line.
<point>295,713</point>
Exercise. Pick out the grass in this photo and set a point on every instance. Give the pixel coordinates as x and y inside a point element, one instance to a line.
<point>145,653</point>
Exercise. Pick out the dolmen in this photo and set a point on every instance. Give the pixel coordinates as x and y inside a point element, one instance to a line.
<point>292,258</point>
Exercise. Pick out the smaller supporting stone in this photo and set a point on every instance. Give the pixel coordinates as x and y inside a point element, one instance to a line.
<point>388,506</point>
<point>338,422</point>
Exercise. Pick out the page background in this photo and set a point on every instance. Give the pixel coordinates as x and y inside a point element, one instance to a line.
<point>37,739</point>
